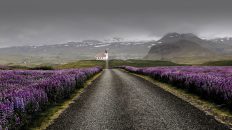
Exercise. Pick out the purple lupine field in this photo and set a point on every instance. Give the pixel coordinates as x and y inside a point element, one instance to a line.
<point>25,92</point>
<point>214,83</point>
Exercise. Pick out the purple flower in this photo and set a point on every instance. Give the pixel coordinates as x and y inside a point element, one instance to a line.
<point>23,92</point>
<point>214,83</point>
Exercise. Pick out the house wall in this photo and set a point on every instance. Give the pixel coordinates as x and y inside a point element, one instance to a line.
<point>101,58</point>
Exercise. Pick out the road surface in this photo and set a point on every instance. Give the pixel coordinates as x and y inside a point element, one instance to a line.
<point>120,101</point>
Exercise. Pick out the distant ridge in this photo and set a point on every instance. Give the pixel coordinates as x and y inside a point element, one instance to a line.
<point>73,51</point>
<point>188,48</point>
<point>175,47</point>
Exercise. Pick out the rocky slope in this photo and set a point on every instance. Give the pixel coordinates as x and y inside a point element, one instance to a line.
<point>188,48</point>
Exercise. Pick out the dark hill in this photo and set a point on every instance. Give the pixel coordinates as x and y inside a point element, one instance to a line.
<point>186,48</point>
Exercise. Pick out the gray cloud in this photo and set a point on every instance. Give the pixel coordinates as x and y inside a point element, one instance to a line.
<point>34,22</point>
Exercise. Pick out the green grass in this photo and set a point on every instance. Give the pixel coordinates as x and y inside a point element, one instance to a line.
<point>82,64</point>
<point>92,63</point>
<point>218,63</point>
<point>115,63</point>
<point>140,63</point>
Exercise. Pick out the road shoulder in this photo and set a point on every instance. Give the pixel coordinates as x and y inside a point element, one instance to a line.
<point>221,114</point>
<point>47,118</point>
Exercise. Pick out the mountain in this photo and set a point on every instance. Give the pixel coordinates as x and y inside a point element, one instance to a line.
<point>225,40</point>
<point>188,48</point>
<point>176,47</point>
<point>173,37</point>
<point>224,44</point>
<point>72,51</point>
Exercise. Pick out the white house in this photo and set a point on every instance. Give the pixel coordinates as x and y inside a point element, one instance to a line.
<point>102,56</point>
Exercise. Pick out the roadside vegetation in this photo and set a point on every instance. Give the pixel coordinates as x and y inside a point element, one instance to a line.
<point>212,83</point>
<point>115,63</point>
<point>82,64</point>
<point>112,63</point>
<point>42,120</point>
<point>218,63</point>
<point>220,113</point>
<point>140,63</point>
<point>26,93</point>
<point>209,83</point>
<point>218,95</point>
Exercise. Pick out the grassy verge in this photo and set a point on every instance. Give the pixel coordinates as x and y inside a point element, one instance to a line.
<point>218,63</point>
<point>92,63</point>
<point>114,63</point>
<point>140,63</point>
<point>82,64</point>
<point>47,117</point>
<point>220,113</point>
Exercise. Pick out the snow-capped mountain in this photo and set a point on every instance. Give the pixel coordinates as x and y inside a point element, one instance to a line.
<point>189,48</point>
<point>62,53</point>
<point>226,40</point>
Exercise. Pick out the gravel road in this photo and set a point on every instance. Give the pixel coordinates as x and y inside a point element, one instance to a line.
<point>120,101</point>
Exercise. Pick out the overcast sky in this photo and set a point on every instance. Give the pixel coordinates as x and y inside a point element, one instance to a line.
<point>36,22</point>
